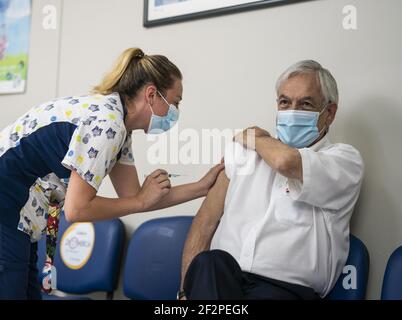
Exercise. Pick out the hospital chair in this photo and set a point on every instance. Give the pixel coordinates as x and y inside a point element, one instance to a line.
<point>392,282</point>
<point>99,273</point>
<point>352,282</point>
<point>153,261</point>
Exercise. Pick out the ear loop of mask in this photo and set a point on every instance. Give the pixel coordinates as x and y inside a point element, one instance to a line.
<point>152,110</point>
<point>160,94</point>
<point>164,98</point>
<point>322,111</point>
<point>150,107</point>
<point>152,116</point>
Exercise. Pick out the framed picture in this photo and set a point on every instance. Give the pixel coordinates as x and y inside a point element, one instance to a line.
<point>15,25</point>
<point>160,12</point>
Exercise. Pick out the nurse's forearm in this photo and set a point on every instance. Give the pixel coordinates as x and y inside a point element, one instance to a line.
<point>280,157</point>
<point>181,194</point>
<point>100,208</point>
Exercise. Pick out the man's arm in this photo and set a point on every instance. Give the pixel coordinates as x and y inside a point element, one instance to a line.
<point>205,223</point>
<point>279,156</point>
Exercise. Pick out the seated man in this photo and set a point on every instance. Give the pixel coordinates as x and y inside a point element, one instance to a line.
<point>276,224</point>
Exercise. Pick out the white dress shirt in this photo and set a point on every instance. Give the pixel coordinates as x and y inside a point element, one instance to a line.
<point>286,229</point>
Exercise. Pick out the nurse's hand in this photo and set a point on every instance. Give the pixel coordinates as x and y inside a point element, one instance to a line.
<point>155,187</point>
<point>247,137</point>
<point>209,179</point>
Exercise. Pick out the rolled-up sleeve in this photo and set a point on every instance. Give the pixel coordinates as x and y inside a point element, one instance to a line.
<point>239,161</point>
<point>331,177</point>
<point>229,159</point>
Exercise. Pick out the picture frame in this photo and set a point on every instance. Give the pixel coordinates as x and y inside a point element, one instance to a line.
<point>15,28</point>
<point>162,12</point>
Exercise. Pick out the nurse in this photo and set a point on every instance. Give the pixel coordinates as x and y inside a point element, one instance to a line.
<point>59,152</point>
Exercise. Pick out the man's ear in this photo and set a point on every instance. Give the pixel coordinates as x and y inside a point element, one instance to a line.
<point>332,109</point>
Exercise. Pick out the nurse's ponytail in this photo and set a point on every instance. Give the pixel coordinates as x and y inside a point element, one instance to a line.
<point>133,69</point>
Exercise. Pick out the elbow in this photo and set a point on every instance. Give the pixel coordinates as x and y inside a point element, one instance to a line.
<point>286,164</point>
<point>77,211</point>
<point>71,214</point>
<point>282,165</point>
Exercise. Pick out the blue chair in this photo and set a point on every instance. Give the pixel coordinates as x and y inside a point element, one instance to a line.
<point>153,261</point>
<point>100,272</point>
<point>392,283</point>
<point>359,259</point>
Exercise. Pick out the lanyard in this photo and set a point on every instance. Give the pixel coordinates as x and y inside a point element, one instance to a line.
<point>49,274</point>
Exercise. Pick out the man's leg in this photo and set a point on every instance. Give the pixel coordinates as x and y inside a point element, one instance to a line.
<point>261,288</point>
<point>15,248</point>
<point>214,275</point>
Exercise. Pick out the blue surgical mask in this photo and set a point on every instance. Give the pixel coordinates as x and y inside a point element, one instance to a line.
<point>160,124</point>
<point>297,128</point>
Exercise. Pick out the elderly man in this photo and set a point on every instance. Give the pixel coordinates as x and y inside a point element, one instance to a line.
<point>276,223</point>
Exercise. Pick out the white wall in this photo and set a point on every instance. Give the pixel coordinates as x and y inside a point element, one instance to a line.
<point>230,65</point>
<point>42,68</point>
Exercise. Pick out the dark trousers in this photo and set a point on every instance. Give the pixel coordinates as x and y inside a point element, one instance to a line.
<point>216,275</point>
<point>18,272</point>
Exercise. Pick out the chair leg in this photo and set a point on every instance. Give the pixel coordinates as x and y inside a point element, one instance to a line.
<point>109,295</point>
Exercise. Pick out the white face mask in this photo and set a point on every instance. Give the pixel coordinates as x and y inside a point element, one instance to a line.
<point>160,124</point>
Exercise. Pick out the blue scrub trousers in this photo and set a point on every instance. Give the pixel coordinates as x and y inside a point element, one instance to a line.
<point>18,271</point>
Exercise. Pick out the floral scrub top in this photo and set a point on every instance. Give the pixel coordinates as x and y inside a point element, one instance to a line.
<point>38,151</point>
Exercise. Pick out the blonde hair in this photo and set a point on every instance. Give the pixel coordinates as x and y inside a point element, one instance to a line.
<point>133,69</point>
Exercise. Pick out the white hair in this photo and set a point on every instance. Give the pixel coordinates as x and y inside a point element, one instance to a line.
<point>328,84</point>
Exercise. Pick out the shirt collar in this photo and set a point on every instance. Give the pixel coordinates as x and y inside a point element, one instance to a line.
<point>324,142</point>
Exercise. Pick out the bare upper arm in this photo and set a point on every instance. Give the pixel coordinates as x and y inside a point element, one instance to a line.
<point>125,180</point>
<point>79,194</point>
<point>213,205</point>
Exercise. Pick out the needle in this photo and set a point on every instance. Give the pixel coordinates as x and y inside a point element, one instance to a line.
<point>171,175</point>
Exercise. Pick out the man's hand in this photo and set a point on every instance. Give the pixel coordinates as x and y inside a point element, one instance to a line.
<point>279,156</point>
<point>247,138</point>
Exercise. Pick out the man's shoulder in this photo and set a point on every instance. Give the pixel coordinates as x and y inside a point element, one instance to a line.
<point>343,150</point>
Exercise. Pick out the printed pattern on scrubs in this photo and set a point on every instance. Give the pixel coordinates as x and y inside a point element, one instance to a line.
<point>37,153</point>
